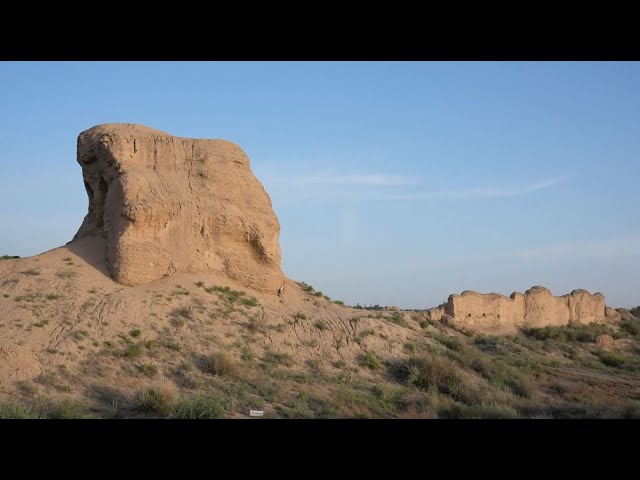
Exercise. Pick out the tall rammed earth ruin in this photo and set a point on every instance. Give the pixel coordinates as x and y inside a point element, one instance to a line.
<point>168,204</point>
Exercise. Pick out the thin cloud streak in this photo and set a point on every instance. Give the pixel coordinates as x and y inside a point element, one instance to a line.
<point>479,192</point>
<point>379,180</point>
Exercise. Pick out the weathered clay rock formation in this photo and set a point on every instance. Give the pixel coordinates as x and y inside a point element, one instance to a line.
<point>167,204</point>
<point>612,314</point>
<point>537,307</point>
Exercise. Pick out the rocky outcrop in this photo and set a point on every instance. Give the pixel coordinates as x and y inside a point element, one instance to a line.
<point>626,315</point>
<point>537,307</point>
<point>604,341</point>
<point>612,314</point>
<point>168,204</point>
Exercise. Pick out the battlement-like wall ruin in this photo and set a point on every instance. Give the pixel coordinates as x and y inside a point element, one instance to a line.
<point>537,307</point>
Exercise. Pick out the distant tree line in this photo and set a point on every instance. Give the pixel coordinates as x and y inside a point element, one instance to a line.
<point>370,307</point>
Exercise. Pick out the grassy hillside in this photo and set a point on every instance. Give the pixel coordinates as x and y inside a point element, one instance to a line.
<point>544,373</point>
<point>76,344</point>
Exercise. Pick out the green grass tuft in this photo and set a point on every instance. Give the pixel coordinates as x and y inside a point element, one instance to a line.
<point>221,363</point>
<point>148,369</point>
<point>321,325</point>
<point>15,411</point>
<point>69,409</point>
<point>369,360</point>
<point>277,358</point>
<point>154,400</point>
<point>199,407</point>
<point>611,359</point>
<point>66,274</point>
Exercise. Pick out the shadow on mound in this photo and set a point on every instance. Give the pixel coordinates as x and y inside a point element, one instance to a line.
<point>92,250</point>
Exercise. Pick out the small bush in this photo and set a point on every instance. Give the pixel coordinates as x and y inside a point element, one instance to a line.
<point>611,359</point>
<point>31,271</point>
<point>247,355</point>
<point>27,388</point>
<point>154,400</point>
<point>177,322</point>
<point>318,294</point>
<point>256,325</point>
<point>249,302</point>
<point>132,351</point>
<point>8,257</point>
<point>362,335</point>
<point>369,360</point>
<point>171,345</point>
<point>79,335</point>
<point>182,312</point>
<point>199,407</point>
<point>148,369</point>
<point>430,372</point>
<point>512,379</point>
<point>180,292</point>
<point>52,296</point>
<point>321,325</point>
<point>314,364</point>
<point>426,323</point>
<point>69,409</point>
<point>300,316</point>
<point>135,333</point>
<point>220,363</point>
<point>409,347</point>
<point>574,332</point>
<point>228,295</point>
<point>452,343</point>
<point>29,297</point>
<point>490,411</point>
<point>487,342</point>
<point>631,327</point>
<point>66,274</point>
<point>398,319</point>
<point>277,358</point>
<point>199,284</point>
<point>305,287</point>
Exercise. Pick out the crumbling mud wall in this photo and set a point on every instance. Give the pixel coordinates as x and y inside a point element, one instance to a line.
<point>537,307</point>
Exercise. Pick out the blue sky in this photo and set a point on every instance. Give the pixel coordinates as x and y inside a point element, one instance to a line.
<point>395,183</point>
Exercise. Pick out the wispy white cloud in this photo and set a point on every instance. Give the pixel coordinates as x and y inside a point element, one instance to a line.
<point>479,192</point>
<point>378,186</point>
<point>381,180</point>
